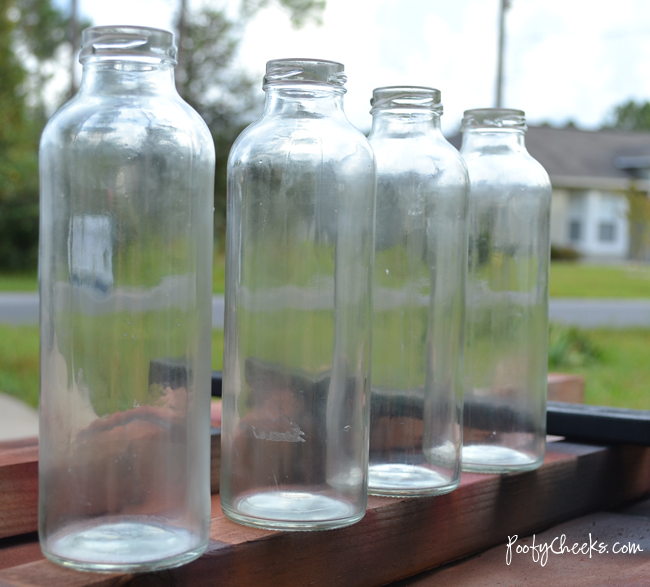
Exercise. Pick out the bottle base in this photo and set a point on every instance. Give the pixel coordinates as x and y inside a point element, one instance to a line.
<point>497,459</point>
<point>128,546</point>
<point>292,510</point>
<point>401,480</point>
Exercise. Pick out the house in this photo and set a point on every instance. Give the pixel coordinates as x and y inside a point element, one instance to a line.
<point>591,173</point>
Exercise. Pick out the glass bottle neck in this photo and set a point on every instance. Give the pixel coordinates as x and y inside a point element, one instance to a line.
<point>304,100</point>
<point>488,138</point>
<point>123,77</point>
<point>405,122</point>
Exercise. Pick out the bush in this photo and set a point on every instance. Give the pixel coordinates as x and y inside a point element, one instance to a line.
<point>570,347</point>
<point>564,254</point>
<point>18,236</point>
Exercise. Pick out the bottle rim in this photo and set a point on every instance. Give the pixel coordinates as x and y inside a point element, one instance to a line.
<point>494,119</point>
<point>293,71</point>
<point>406,98</point>
<point>124,42</point>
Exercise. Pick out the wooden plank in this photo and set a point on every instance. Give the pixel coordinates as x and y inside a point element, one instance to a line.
<point>398,537</point>
<point>18,491</point>
<point>566,388</point>
<point>19,485</point>
<point>19,550</point>
<point>600,566</point>
<point>19,477</point>
<point>215,459</point>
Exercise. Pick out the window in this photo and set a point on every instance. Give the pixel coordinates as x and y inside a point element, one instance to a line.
<point>607,232</point>
<point>574,230</point>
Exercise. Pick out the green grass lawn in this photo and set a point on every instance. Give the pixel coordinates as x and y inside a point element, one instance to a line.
<point>572,280</point>
<point>575,280</point>
<point>620,377</point>
<point>28,281</point>
<point>18,282</point>
<point>19,364</point>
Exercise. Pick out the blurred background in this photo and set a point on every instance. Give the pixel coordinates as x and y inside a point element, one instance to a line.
<point>581,74</point>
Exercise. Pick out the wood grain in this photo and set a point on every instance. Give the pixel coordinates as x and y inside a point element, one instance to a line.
<point>18,491</point>
<point>19,468</point>
<point>398,537</point>
<point>19,484</point>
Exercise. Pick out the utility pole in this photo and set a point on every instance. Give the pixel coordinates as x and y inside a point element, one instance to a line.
<point>181,31</point>
<point>503,6</point>
<point>74,46</point>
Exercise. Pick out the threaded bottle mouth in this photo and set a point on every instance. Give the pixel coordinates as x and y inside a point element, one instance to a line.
<point>406,98</point>
<point>124,42</point>
<point>312,71</point>
<point>494,119</point>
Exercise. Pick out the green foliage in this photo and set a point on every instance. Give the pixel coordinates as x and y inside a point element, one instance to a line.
<point>564,254</point>
<point>207,77</point>
<point>620,378</point>
<point>18,235</point>
<point>570,347</point>
<point>30,33</point>
<point>638,216</point>
<point>629,116</point>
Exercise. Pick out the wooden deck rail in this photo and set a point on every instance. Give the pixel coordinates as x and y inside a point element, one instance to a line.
<point>397,538</point>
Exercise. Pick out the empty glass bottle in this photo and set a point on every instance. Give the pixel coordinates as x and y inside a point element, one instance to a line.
<point>127,171</point>
<point>419,297</point>
<point>507,295</point>
<point>301,190</point>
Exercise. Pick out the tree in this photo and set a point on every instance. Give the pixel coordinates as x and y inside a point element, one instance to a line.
<point>207,78</point>
<point>629,116</point>
<point>30,33</point>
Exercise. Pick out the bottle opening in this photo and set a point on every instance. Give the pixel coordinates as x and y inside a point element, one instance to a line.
<point>494,119</point>
<point>120,42</point>
<point>313,71</point>
<point>406,98</point>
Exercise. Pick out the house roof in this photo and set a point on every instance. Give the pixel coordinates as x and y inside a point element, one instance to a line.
<point>583,159</point>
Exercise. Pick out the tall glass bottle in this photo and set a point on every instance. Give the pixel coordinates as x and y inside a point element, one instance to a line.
<point>507,296</point>
<point>127,174</point>
<point>301,190</point>
<point>419,297</point>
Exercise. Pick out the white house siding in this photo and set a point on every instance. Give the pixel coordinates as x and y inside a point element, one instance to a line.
<point>559,215</point>
<point>593,222</point>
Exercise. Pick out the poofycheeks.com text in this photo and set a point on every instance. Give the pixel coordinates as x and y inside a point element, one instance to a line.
<point>540,551</point>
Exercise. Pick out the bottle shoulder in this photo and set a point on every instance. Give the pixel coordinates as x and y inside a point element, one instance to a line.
<point>115,119</point>
<point>503,167</point>
<point>330,138</point>
<point>417,153</point>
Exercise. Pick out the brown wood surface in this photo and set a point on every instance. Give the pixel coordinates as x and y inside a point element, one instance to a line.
<point>19,484</point>
<point>398,537</point>
<point>18,490</point>
<point>566,388</point>
<point>19,466</point>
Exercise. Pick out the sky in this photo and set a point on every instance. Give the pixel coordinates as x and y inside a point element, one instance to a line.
<point>565,60</point>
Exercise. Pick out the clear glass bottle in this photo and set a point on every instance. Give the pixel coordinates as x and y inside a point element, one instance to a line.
<point>127,171</point>
<point>507,296</point>
<point>301,192</point>
<point>419,297</point>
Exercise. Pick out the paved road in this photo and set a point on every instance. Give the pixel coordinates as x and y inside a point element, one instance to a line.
<point>590,313</point>
<point>22,308</point>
